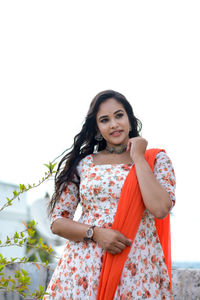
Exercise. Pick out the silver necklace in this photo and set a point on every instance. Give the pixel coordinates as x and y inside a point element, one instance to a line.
<point>116,149</point>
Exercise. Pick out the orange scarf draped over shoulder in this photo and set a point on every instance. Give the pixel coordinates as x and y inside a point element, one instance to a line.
<point>128,216</point>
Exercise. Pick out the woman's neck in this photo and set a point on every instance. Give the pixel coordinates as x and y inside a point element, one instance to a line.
<point>103,157</point>
<point>116,149</point>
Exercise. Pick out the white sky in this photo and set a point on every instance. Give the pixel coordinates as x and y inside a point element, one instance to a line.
<point>55,56</point>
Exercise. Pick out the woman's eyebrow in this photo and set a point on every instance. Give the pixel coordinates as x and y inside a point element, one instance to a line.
<point>105,116</point>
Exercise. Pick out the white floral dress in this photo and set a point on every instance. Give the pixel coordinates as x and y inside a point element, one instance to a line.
<point>77,274</point>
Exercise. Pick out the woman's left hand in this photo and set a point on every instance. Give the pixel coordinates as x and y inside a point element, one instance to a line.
<point>137,147</point>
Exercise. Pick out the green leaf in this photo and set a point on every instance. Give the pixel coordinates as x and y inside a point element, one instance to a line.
<point>41,288</point>
<point>23,259</point>
<point>1,267</point>
<point>40,241</point>
<point>31,232</point>
<point>53,166</point>
<point>16,235</point>
<point>47,166</point>
<point>17,274</point>
<point>24,272</point>
<point>8,240</point>
<point>22,187</point>
<point>6,283</point>
<point>9,201</point>
<point>31,241</point>
<point>50,166</point>
<point>13,259</point>
<point>15,193</point>
<point>32,223</point>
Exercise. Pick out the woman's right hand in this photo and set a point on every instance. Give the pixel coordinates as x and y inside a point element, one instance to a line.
<point>111,240</point>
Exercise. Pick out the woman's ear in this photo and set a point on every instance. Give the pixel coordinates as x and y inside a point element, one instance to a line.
<point>98,137</point>
<point>97,131</point>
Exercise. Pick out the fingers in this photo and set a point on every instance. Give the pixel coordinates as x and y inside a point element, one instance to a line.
<point>112,240</point>
<point>119,245</point>
<point>128,242</point>
<point>137,147</point>
<point>124,240</point>
<point>128,146</point>
<point>115,250</point>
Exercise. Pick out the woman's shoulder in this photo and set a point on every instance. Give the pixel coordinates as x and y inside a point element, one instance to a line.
<point>163,164</point>
<point>162,156</point>
<point>162,160</point>
<point>86,161</point>
<point>164,172</point>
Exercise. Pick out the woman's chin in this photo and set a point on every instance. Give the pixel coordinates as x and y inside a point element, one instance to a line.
<point>117,142</point>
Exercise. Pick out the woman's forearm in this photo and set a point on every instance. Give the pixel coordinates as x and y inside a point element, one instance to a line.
<point>155,197</point>
<point>69,229</point>
<point>109,239</point>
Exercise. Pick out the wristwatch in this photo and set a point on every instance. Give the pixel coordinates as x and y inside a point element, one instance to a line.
<point>89,234</point>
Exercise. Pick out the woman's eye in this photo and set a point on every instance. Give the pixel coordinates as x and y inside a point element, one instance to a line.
<point>119,115</point>
<point>104,120</point>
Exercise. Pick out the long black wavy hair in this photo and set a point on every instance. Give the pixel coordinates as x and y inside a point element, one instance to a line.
<point>85,142</point>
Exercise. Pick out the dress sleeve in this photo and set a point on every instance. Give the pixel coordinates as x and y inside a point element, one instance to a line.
<point>164,172</point>
<point>67,204</point>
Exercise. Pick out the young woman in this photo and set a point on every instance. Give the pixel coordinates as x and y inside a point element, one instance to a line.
<point>116,250</point>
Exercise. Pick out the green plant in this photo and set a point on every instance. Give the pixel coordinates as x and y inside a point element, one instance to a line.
<point>29,238</point>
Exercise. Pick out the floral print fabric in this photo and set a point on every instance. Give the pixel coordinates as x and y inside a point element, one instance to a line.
<point>77,273</point>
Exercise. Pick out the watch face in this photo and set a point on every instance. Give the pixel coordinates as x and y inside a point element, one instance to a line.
<point>89,232</point>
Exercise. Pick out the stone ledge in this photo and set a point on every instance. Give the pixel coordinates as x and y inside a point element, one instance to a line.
<point>186,282</point>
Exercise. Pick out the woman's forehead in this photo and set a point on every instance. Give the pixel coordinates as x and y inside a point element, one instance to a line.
<point>110,106</point>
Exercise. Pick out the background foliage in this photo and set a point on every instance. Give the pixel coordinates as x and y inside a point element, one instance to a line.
<point>37,249</point>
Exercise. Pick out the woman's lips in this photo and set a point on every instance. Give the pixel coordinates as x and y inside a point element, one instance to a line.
<point>116,133</point>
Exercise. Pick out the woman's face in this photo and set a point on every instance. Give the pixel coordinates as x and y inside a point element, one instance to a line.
<point>113,123</point>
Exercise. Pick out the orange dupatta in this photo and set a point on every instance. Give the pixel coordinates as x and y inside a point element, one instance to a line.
<point>128,216</point>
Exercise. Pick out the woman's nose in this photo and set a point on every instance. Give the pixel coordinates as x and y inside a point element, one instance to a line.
<point>113,123</point>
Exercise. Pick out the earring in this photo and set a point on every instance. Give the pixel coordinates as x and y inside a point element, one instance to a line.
<point>98,137</point>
